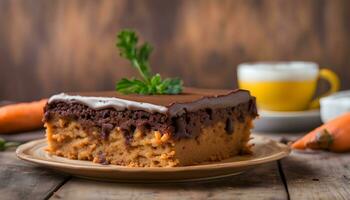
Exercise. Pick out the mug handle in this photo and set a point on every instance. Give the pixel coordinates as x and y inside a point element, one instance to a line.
<point>334,82</point>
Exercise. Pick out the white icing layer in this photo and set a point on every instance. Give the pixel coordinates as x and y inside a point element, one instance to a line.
<point>108,102</point>
<point>277,71</point>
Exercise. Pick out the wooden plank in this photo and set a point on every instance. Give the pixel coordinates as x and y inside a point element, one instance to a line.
<point>317,175</point>
<point>24,136</point>
<point>262,182</point>
<point>20,180</point>
<point>46,47</point>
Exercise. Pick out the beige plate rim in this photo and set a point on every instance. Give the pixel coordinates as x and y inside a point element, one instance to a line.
<point>21,153</point>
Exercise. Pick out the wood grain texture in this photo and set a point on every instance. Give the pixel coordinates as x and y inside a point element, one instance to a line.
<point>48,47</point>
<point>314,174</point>
<point>317,175</point>
<point>20,180</point>
<point>261,183</point>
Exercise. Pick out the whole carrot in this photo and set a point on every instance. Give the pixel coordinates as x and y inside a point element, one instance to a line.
<point>22,116</point>
<point>333,136</point>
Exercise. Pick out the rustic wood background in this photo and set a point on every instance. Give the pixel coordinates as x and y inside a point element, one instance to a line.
<point>52,46</point>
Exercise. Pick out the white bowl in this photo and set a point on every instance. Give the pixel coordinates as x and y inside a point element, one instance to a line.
<point>335,105</point>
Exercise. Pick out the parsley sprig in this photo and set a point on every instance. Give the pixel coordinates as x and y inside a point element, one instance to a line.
<point>127,43</point>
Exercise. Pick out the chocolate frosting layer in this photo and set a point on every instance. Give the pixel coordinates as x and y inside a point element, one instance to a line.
<point>181,115</point>
<point>191,99</point>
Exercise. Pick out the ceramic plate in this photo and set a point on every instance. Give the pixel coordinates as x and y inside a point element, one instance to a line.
<point>300,121</point>
<point>265,150</point>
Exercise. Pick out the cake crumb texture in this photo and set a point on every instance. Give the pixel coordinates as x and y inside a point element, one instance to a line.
<point>146,148</point>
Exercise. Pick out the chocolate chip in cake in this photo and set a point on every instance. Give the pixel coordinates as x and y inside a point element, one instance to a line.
<point>105,130</point>
<point>210,113</point>
<point>229,126</point>
<point>128,134</point>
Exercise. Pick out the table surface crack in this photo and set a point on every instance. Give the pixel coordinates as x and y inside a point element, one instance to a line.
<point>283,178</point>
<point>58,186</point>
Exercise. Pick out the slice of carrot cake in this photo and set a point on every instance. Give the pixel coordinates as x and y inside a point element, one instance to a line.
<point>195,126</point>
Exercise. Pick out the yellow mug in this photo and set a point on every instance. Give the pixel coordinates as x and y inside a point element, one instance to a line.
<point>285,86</point>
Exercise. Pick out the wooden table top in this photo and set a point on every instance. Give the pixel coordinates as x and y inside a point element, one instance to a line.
<point>315,175</point>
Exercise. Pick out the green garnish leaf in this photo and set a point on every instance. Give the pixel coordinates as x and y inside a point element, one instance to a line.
<point>127,86</point>
<point>127,43</point>
<point>4,144</point>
